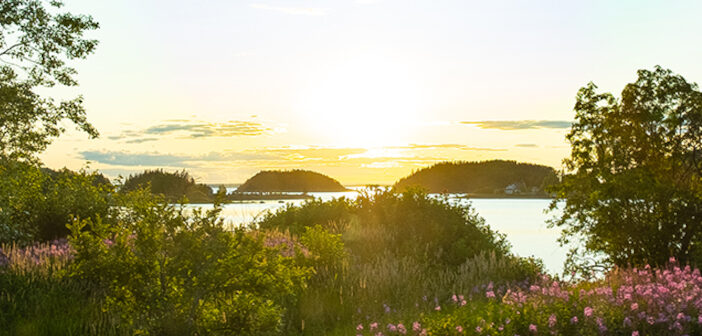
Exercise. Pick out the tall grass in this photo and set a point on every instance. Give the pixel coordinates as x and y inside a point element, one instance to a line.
<point>38,296</point>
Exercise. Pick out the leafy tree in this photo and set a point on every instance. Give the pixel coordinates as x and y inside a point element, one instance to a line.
<point>633,188</point>
<point>36,41</point>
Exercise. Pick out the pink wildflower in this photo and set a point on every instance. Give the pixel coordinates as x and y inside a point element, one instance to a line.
<point>635,333</point>
<point>532,328</point>
<point>416,326</point>
<point>552,321</point>
<point>588,311</point>
<point>392,327</point>
<point>634,306</point>
<point>437,308</point>
<point>490,294</point>
<point>401,328</point>
<point>374,326</point>
<point>359,327</point>
<point>478,329</point>
<point>459,329</point>
<point>574,320</point>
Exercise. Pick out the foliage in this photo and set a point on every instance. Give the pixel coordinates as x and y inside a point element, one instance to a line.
<point>633,192</point>
<point>170,273</point>
<point>36,41</point>
<point>363,252</point>
<point>293,180</point>
<point>628,301</point>
<point>173,186</point>
<point>37,297</point>
<point>295,219</point>
<point>486,177</point>
<point>36,204</point>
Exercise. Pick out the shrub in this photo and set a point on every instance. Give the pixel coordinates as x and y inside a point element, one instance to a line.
<point>169,273</point>
<point>36,204</point>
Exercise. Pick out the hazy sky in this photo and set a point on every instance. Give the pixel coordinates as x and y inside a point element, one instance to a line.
<point>365,91</point>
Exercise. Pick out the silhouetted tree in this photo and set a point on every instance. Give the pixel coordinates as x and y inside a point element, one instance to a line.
<point>633,182</point>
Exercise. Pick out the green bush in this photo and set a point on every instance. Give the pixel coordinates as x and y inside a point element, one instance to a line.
<point>36,204</point>
<point>170,273</point>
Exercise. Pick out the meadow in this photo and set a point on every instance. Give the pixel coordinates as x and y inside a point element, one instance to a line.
<point>385,263</point>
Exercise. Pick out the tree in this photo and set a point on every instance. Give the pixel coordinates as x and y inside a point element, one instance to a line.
<point>36,41</point>
<point>632,185</point>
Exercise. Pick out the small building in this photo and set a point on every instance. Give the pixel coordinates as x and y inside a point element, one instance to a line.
<point>512,189</point>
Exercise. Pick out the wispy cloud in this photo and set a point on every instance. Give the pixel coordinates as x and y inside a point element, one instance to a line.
<point>155,159</point>
<point>311,11</point>
<point>511,125</point>
<point>447,146</point>
<point>201,130</point>
<point>527,145</point>
<point>194,129</point>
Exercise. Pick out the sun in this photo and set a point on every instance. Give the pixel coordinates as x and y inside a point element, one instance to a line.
<point>362,101</point>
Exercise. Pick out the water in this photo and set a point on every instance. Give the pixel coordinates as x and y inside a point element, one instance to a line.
<point>523,221</point>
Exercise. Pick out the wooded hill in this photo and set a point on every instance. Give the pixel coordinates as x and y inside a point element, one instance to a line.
<point>174,186</point>
<point>290,181</point>
<point>497,177</point>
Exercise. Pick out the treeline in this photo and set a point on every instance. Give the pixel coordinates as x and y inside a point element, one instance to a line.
<point>289,181</point>
<point>173,186</point>
<point>486,177</point>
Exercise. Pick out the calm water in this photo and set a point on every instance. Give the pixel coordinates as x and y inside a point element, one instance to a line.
<point>522,220</point>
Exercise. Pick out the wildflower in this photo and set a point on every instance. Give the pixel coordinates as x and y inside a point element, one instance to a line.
<point>635,333</point>
<point>437,308</point>
<point>392,327</point>
<point>454,298</point>
<point>374,326</point>
<point>401,328</point>
<point>552,321</point>
<point>416,326</point>
<point>532,328</point>
<point>459,329</point>
<point>359,327</point>
<point>588,311</point>
<point>463,302</point>
<point>574,320</point>
<point>634,306</point>
<point>478,329</point>
<point>490,294</point>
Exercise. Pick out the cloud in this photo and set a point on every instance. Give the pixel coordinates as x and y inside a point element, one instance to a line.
<point>155,159</point>
<point>511,125</point>
<point>526,145</point>
<point>202,130</point>
<point>195,130</point>
<point>311,11</point>
<point>140,140</point>
<point>446,146</point>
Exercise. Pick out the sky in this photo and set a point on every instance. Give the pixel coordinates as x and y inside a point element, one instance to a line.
<point>366,91</point>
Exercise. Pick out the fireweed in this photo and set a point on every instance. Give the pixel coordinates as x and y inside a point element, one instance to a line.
<point>627,301</point>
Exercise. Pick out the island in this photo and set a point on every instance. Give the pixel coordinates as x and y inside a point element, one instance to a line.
<point>485,179</point>
<point>174,186</point>
<point>297,180</point>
